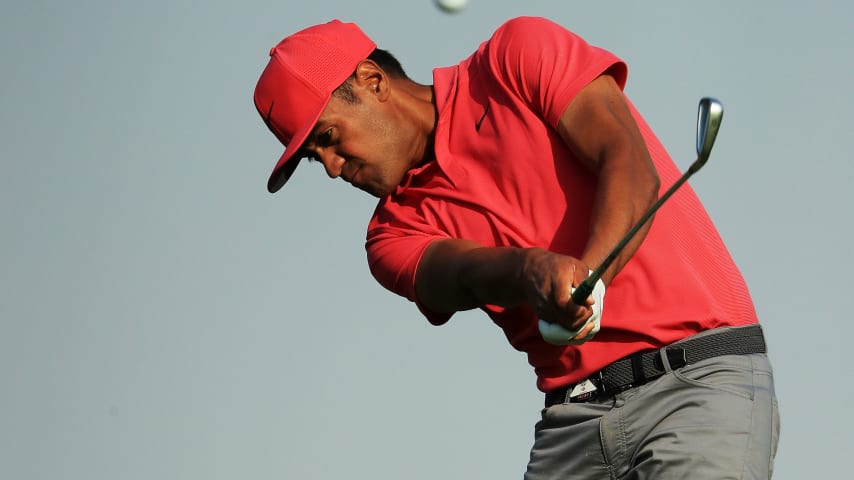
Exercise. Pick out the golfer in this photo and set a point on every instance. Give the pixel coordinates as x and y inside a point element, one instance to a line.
<point>500,187</point>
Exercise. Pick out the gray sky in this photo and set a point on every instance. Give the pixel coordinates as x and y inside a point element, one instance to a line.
<point>162,316</point>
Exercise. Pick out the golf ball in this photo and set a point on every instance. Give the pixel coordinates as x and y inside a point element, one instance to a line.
<point>451,6</point>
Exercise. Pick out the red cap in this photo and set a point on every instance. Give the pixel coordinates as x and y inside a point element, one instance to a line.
<point>304,69</point>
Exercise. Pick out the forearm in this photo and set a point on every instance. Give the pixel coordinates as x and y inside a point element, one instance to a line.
<point>456,275</point>
<point>624,193</point>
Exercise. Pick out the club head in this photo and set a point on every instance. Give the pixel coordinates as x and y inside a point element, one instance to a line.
<point>709,115</point>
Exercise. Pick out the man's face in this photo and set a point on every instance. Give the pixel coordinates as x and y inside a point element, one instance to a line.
<point>361,143</point>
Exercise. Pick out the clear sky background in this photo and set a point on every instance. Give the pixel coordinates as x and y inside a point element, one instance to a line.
<point>163,316</point>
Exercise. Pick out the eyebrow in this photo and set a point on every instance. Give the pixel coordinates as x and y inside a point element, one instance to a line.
<point>302,152</point>
<point>314,130</point>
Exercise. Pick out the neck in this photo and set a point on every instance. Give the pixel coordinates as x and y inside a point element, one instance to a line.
<point>418,104</point>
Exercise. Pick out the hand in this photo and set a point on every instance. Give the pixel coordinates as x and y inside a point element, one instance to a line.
<point>549,279</point>
<point>557,335</point>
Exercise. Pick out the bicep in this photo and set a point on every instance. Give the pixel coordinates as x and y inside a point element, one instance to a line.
<point>598,125</point>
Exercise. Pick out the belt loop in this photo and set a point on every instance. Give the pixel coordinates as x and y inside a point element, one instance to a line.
<point>639,377</point>
<point>670,358</point>
<point>665,362</point>
<point>600,382</point>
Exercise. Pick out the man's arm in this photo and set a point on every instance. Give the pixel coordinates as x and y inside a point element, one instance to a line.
<point>456,275</point>
<point>598,127</point>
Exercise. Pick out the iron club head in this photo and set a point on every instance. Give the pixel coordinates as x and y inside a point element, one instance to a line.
<point>709,116</point>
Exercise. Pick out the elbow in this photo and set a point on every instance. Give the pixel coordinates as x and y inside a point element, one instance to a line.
<point>653,186</point>
<point>645,181</point>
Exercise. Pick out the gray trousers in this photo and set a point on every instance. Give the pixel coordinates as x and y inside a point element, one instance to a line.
<point>716,419</point>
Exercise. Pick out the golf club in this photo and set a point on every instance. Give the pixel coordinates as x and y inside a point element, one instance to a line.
<point>709,115</point>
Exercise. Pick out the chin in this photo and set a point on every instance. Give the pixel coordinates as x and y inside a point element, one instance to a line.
<point>373,191</point>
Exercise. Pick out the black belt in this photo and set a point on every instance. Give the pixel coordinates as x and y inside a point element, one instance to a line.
<point>641,367</point>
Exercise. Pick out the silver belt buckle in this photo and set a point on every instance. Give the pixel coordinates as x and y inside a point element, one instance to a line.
<point>582,391</point>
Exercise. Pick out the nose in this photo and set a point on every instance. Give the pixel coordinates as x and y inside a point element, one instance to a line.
<point>333,163</point>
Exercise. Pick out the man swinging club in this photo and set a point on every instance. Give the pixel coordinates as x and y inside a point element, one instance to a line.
<point>501,186</point>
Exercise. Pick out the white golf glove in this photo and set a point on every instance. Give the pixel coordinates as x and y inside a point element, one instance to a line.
<point>555,334</point>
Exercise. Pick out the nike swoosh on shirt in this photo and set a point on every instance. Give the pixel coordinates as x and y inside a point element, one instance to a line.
<point>480,121</point>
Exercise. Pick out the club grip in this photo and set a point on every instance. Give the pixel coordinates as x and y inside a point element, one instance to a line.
<point>584,289</point>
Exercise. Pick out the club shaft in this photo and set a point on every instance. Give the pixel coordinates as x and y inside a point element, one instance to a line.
<point>585,288</point>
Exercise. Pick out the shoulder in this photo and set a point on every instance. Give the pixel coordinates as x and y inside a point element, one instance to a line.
<point>525,31</point>
<point>537,43</point>
<point>540,48</point>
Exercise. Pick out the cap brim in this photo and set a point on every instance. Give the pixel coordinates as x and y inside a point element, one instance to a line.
<point>282,174</point>
<point>286,165</point>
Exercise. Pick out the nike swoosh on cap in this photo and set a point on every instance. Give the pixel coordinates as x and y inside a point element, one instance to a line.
<point>269,114</point>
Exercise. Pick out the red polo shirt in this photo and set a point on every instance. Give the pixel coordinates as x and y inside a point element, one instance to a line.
<point>504,177</point>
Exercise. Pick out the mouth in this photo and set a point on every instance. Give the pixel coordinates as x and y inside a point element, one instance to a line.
<point>371,188</point>
<point>351,178</point>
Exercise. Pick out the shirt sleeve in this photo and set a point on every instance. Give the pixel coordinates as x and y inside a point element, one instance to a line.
<point>395,245</point>
<point>547,65</point>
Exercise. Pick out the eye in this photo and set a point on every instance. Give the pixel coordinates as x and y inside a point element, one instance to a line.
<point>325,139</point>
<point>320,140</point>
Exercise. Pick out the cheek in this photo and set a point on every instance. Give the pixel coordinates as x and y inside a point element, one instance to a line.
<point>371,142</point>
<point>383,133</point>
<point>376,142</point>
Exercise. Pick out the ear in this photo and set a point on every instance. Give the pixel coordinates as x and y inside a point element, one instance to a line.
<point>372,79</point>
